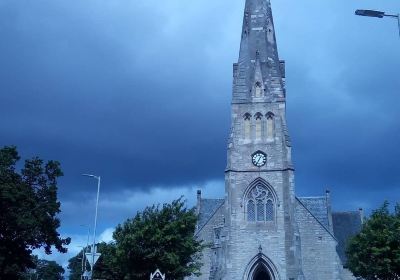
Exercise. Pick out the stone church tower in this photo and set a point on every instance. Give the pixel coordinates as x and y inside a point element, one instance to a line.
<point>259,176</point>
<point>261,230</point>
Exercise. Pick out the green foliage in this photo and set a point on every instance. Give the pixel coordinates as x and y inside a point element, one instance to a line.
<point>75,266</point>
<point>155,238</point>
<point>29,208</point>
<point>374,253</point>
<point>45,270</point>
<point>159,238</point>
<point>106,267</point>
<point>49,270</point>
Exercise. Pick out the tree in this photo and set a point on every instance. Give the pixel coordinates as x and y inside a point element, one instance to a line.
<point>159,238</point>
<point>106,267</point>
<point>45,270</point>
<point>29,208</point>
<point>75,266</point>
<point>155,238</point>
<point>49,270</point>
<point>374,253</point>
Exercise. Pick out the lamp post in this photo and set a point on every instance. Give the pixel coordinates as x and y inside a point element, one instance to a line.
<point>83,259</point>
<point>84,251</point>
<point>378,14</point>
<point>95,218</point>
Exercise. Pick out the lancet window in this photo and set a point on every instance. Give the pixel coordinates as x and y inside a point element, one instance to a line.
<point>258,118</point>
<point>258,89</point>
<point>260,204</point>
<point>247,125</point>
<point>270,125</point>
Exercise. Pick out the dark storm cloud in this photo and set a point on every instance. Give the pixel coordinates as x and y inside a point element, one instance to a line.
<point>139,91</point>
<point>343,104</point>
<point>129,95</point>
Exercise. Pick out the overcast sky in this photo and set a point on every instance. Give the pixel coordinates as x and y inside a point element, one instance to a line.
<point>138,91</point>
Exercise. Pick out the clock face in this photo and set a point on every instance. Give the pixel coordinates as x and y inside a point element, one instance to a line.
<point>259,159</point>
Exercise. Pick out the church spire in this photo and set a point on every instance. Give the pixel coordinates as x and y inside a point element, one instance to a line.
<point>258,55</point>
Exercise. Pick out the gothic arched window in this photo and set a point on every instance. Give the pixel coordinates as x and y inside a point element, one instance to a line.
<point>260,204</point>
<point>247,125</point>
<point>258,117</point>
<point>270,125</point>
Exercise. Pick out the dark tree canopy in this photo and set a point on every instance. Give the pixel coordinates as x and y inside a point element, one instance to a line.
<point>49,270</point>
<point>75,266</point>
<point>160,238</point>
<point>374,253</point>
<point>29,208</point>
<point>106,267</point>
<point>46,270</point>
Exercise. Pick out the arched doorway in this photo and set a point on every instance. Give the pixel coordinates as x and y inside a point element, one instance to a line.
<point>261,273</point>
<point>261,268</point>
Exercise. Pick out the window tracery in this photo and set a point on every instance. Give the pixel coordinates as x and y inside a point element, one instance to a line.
<point>260,204</point>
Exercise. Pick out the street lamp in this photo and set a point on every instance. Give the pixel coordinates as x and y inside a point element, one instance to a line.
<point>378,14</point>
<point>84,251</point>
<point>95,218</point>
<point>83,258</point>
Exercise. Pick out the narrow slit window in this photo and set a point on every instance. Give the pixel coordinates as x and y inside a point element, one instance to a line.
<point>270,126</point>
<point>247,126</point>
<point>258,89</point>
<point>258,118</point>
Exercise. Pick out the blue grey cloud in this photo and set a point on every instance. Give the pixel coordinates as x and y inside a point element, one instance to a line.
<point>139,92</point>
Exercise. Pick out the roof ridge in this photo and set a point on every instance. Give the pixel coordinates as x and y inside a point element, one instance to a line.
<point>350,211</point>
<point>308,210</point>
<point>216,210</point>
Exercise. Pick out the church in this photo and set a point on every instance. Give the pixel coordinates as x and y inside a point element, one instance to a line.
<point>261,230</point>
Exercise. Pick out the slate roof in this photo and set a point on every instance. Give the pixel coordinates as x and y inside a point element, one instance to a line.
<point>345,225</point>
<point>318,207</point>
<point>207,209</point>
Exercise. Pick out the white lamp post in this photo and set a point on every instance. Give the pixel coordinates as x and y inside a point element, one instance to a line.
<point>84,251</point>
<point>95,219</point>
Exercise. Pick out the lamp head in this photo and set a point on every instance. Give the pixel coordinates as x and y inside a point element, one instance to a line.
<point>370,13</point>
<point>90,175</point>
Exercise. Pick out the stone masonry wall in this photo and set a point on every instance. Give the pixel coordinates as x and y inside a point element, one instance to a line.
<point>318,247</point>
<point>207,234</point>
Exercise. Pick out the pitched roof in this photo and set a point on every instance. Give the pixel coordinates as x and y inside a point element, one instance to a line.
<point>318,207</point>
<point>345,226</point>
<point>208,207</point>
